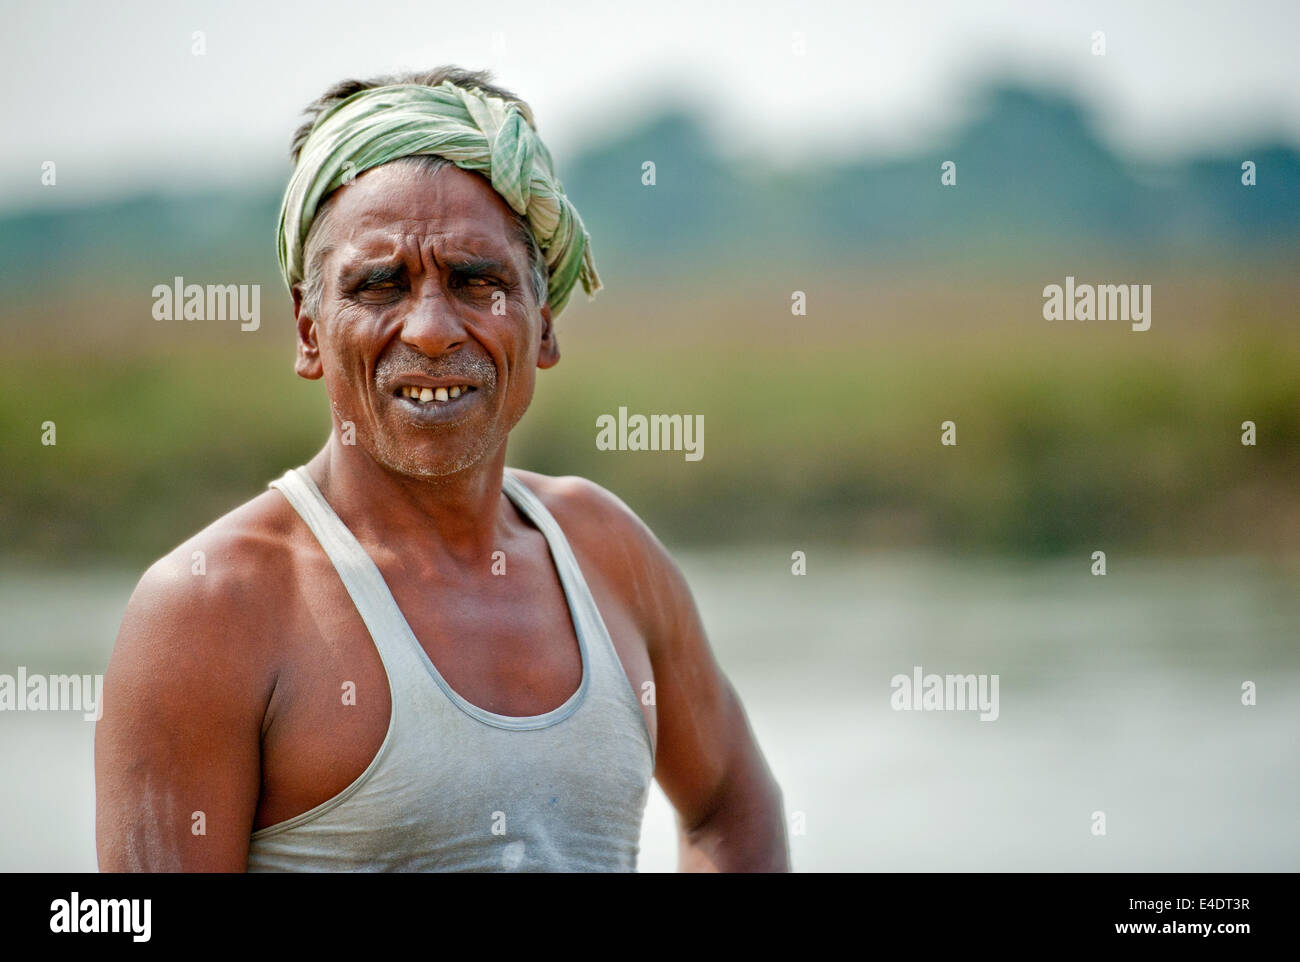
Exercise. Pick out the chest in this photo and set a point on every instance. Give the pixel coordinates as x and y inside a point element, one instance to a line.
<point>503,639</point>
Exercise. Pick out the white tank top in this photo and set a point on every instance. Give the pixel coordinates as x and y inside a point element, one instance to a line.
<point>455,787</point>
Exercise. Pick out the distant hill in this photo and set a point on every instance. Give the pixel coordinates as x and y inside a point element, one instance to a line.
<point>1029,170</point>
<point>1031,174</point>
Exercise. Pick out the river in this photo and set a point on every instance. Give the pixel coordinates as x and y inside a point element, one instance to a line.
<point>1119,694</point>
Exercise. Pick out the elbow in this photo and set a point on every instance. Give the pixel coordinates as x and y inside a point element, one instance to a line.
<point>744,832</point>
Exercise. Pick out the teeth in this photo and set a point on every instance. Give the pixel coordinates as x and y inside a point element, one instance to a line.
<point>425,395</point>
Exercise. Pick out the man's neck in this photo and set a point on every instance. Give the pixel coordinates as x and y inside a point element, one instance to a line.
<point>458,515</point>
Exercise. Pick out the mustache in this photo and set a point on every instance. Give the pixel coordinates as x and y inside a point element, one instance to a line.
<point>471,368</point>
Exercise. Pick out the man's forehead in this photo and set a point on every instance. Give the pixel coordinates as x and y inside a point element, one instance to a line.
<point>389,207</point>
<point>390,237</point>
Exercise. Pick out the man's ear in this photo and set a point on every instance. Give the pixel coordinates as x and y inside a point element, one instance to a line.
<point>307,364</point>
<point>548,354</point>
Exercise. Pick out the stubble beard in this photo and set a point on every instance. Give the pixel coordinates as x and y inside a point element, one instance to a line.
<point>388,452</point>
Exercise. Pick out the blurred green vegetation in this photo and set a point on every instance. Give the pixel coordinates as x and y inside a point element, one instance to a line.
<point>924,305</point>
<point>1071,436</point>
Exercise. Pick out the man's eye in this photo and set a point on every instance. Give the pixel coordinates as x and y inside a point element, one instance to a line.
<point>378,287</point>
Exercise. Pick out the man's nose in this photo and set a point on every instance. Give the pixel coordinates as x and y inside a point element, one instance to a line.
<point>433,325</point>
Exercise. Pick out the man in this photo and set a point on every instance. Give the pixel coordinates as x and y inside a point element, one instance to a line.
<point>406,656</point>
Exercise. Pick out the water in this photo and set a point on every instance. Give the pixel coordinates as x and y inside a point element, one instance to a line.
<point>1119,694</point>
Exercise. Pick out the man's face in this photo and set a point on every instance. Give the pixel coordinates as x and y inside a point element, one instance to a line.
<point>425,290</point>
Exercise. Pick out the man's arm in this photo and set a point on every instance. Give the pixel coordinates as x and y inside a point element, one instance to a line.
<point>729,807</point>
<point>177,750</point>
<point>730,816</point>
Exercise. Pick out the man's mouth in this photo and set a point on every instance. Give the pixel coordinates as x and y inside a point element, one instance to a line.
<point>432,395</point>
<point>435,403</point>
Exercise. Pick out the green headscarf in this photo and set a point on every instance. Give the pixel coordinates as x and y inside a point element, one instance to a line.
<point>471,129</point>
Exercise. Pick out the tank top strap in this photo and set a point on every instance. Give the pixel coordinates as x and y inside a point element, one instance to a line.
<point>582,606</point>
<point>362,579</point>
<point>609,678</point>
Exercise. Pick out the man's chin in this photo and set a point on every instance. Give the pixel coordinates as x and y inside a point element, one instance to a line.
<point>429,462</point>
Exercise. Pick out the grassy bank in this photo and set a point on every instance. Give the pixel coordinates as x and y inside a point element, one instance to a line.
<point>1070,437</point>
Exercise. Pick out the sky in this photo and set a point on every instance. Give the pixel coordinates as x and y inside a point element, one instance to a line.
<point>115,95</point>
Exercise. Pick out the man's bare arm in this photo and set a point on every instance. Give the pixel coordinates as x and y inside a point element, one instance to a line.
<point>730,816</point>
<point>177,749</point>
<point>729,807</point>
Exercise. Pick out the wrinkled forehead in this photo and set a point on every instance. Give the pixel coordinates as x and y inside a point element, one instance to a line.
<point>392,207</point>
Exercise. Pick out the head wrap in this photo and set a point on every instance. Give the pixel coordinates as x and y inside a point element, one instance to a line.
<point>473,130</point>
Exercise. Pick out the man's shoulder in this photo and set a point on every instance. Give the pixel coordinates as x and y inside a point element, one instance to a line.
<point>586,510</point>
<point>199,637</point>
<point>609,539</point>
<point>231,572</point>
